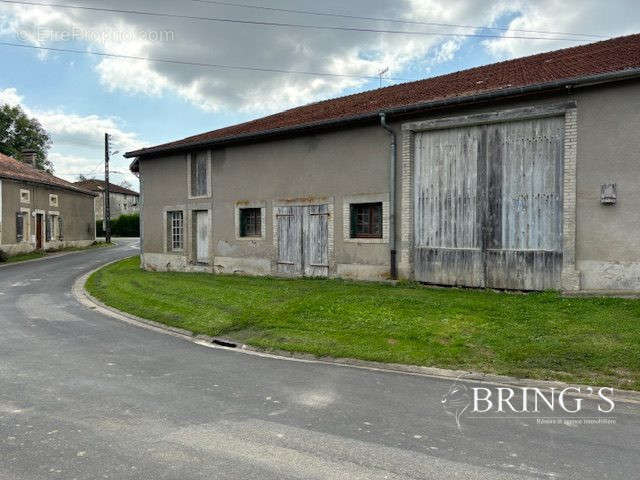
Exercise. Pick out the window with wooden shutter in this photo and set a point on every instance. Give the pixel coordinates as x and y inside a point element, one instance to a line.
<point>366,220</point>
<point>199,166</point>
<point>60,224</point>
<point>19,227</point>
<point>47,230</point>
<point>250,222</point>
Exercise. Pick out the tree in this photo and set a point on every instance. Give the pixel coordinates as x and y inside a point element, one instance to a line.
<point>82,178</point>
<point>18,132</point>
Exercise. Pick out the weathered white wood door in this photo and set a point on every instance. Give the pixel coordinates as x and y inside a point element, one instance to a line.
<point>289,231</point>
<point>202,236</point>
<point>488,205</point>
<point>448,248</point>
<point>303,240</point>
<point>315,230</point>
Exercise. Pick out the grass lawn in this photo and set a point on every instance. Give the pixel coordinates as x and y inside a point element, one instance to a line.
<point>539,335</point>
<point>39,254</point>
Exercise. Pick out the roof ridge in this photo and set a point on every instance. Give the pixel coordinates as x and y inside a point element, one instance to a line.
<point>607,55</point>
<point>16,170</point>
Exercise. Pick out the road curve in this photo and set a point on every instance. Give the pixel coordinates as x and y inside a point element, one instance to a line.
<point>85,396</point>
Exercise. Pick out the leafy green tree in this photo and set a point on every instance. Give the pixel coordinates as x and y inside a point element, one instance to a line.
<point>18,132</point>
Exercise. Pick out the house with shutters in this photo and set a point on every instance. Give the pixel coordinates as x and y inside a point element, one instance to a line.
<point>39,211</point>
<point>122,200</point>
<point>518,175</point>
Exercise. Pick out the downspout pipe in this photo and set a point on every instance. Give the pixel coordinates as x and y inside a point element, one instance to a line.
<point>392,196</point>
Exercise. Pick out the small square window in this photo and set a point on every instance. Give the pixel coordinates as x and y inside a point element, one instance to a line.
<point>53,200</point>
<point>175,230</point>
<point>250,222</point>
<point>366,220</point>
<point>25,196</point>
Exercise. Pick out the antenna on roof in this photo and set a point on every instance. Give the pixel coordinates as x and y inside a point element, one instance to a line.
<point>381,74</point>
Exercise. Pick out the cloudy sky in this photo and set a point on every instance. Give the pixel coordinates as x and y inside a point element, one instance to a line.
<point>79,96</point>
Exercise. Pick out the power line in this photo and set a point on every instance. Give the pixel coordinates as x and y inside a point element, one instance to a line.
<point>286,25</point>
<point>198,64</point>
<point>389,20</point>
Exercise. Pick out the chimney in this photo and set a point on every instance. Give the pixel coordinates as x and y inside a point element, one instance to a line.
<point>29,156</point>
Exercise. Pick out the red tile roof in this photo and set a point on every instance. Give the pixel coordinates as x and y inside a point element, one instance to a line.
<point>96,185</point>
<point>17,170</point>
<point>615,55</point>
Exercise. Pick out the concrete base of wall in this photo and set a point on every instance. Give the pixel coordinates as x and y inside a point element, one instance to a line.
<point>354,271</point>
<point>590,275</point>
<point>242,266</point>
<point>609,275</point>
<point>162,262</point>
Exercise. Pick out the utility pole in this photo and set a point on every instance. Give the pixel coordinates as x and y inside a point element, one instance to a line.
<point>107,203</point>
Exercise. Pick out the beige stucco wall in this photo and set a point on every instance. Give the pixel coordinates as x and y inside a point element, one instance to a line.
<point>608,237</point>
<point>305,170</point>
<point>76,210</point>
<point>330,167</point>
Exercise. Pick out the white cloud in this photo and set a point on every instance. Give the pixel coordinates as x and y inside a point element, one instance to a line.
<point>82,134</point>
<point>352,53</point>
<point>336,52</point>
<point>585,16</point>
<point>10,96</point>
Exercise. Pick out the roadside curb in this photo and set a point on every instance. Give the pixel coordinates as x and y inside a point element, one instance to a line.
<point>86,299</point>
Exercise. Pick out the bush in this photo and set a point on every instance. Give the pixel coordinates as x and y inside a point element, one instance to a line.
<point>123,226</point>
<point>4,256</point>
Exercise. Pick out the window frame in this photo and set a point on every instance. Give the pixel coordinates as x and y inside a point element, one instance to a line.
<point>354,200</point>
<point>53,200</point>
<point>175,229</point>
<point>248,205</point>
<point>373,213</point>
<point>25,193</point>
<point>26,225</point>
<point>191,159</point>
<point>253,215</point>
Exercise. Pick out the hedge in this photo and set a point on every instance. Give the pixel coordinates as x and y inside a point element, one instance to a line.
<point>123,226</point>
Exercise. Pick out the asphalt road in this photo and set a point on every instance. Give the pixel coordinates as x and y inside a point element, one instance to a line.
<point>85,396</point>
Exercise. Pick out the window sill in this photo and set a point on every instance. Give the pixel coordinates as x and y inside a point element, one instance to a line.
<point>366,240</point>
<point>251,239</point>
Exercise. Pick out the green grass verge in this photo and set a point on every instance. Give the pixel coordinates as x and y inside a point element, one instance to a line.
<point>538,335</point>
<point>26,256</point>
<point>40,254</point>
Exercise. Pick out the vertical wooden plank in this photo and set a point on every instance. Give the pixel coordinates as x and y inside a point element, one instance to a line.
<point>289,230</point>
<point>315,238</point>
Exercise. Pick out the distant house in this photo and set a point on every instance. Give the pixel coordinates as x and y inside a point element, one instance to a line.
<point>519,175</point>
<point>122,200</point>
<point>39,211</point>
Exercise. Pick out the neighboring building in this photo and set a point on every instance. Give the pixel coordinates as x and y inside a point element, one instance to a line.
<point>41,212</point>
<point>122,200</point>
<point>519,175</point>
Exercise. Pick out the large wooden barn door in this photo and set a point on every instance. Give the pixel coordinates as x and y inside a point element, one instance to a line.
<point>524,245</point>
<point>447,224</point>
<point>488,205</point>
<point>303,240</point>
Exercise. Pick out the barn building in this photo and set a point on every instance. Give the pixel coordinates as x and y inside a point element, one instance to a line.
<point>519,175</point>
